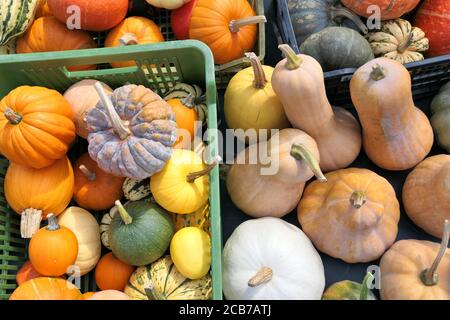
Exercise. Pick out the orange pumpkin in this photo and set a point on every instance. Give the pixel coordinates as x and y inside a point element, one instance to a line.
<point>36,126</point>
<point>132,31</point>
<point>44,288</point>
<point>95,189</point>
<point>186,116</point>
<point>26,272</point>
<point>34,193</point>
<point>43,10</point>
<point>53,249</point>
<point>110,295</point>
<point>389,9</point>
<point>112,273</point>
<point>48,34</point>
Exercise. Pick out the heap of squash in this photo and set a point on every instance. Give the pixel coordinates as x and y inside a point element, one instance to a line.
<point>132,135</point>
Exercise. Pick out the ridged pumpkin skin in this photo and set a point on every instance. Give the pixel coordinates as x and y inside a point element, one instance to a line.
<point>167,283</point>
<point>44,288</point>
<point>396,134</point>
<point>390,9</point>
<point>36,126</point>
<point>440,108</point>
<point>111,273</point>
<point>15,18</point>
<point>347,226</point>
<point>426,194</point>
<point>186,116</point>
<point>47,34</point>
<point>131,31</point>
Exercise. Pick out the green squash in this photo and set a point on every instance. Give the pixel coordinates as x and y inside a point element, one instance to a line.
<point>350,290</point>
<point>15,18</point>
<point>440,108</point>
<point>311,16</point>
<point>141,232</point>
<point>337,48</point>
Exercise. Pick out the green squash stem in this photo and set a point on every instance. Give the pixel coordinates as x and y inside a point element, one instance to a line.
<point>406,43</point>
<point>358,199</point>
<point>429,276</point>
<point>260,77</point>
<point>116,122</point>
<point>91,176</point>
<point>30,221</point>
<point>191,177</point>
<point>293,61</point>
<point>52,223</point>
<point>126,218</point>
<point>236,25</point>
<point>128,39</point>
<point>365,286</point>
<point>12,116</point>
<point>338,12</point>
<point>378,73</point>
<point>301,153</point>
<point>264,275</point>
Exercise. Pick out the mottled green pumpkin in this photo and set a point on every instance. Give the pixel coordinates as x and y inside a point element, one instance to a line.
<point>350,290</point>
<point>337,48</point>
<point>440,108</point>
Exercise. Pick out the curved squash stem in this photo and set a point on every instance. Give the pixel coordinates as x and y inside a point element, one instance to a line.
<point>236,25</point>
<point>293,60</point>
<point>264,275</point>
<point>128,39</point>
<point>260,77</point>
<point>30,222</point>
<point>358,199</point>
<point>189,101</point>
<point>429,276</point>
<point>365,286</point>
<point>116,122</point>
<point>378,72</point>
<point>126,218</point>
<point>338,12</point>
<point>301,153</point>
<point>52,223</point>
<point>406,43</point>
<point>12,116</point>
<point>191,177</point>
<point>91,176</point>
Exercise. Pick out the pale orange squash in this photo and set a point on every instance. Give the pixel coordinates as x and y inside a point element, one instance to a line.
<point>44,288</point>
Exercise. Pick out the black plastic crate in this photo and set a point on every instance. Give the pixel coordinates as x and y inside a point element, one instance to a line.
<point>427,75</point>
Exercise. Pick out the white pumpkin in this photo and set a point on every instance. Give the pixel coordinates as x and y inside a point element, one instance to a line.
<point>86,229</point>
<point>270,259</point>
<point>167,4</point>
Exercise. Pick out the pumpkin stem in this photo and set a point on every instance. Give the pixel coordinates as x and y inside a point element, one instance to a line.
<point>264,275</point>
<point>116,122</point>
<point>191,177</point>
<point>378,72</point>
<point>12,116</point>
<point>189,101</point>
<point>340,12</point>
<point>358,199</point>
<point>126,218</point>
<point>429,276</point>
<point>236,25</point>
<point>293,60</point>
<point>52,222</point>
<point>301,153</point>
<point>30,221</point>
<point>365,286</point>
<point>91,176</point>
<point>128,39</point>
<point>260,77</point>
<point>406,43</point>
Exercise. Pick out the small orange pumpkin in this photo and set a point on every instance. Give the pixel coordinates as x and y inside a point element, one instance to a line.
<point>44,288</point>
<point>185,116</point>
<point>132,31</point>
<point>95,189</point>
<point>26,272</point>
<point>43,10</point>
<point>112,273</point>
<point>53,249</point>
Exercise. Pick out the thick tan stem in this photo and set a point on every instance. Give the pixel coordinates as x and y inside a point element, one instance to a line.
<point>52,222</point>
<point>293,61</point>
<point>378,73</point>
<point>126,218</point>
<point>260,77</point>
<point>406,43</point>
<point>264,275</point>
<point>128,39</point>
<point>301,153</point>
<point>12,116</point>
<point>91,176</point>
<point>236,25</point>
<point>30,222</point>
<point>358,199</point>
<point>191,177</point>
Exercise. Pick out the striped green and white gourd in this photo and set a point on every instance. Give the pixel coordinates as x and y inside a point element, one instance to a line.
<point>183,90</point>
<point>15,18</point>
<point>135,190</point>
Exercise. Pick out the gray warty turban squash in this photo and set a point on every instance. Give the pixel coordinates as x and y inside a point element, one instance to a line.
<point>132,132</point>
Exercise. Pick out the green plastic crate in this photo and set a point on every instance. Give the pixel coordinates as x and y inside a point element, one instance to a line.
<point>159,66</point>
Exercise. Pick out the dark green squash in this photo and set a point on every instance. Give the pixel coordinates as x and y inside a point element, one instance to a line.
<point>311,16</point>
<point>337,48</point>
<point>440,108</point>
<point>141,232</point>
<point>350,290</point>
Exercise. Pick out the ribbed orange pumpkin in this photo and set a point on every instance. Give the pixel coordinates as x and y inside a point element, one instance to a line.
<point>44,288</point>
<point>390,9</point>
<point>186,116</point>
<point>111,273</point>
<point>43,10</point>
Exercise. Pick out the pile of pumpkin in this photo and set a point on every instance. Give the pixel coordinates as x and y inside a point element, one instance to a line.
<point>59,25</point>
<point>132,135</point>
<point>336,36</point>
<point>347,213</point>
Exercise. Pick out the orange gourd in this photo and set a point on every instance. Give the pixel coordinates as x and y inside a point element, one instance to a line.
<point>26,272</point>
<point>43,10</point>
<point>396,134</point>
<point>112,273</point>
<point>95,189</point>
<point>34,193</point>
<point>36,126</point>
<point>44,288</point>
<point>185,116</point>
<point>389,9</point>
<point>48,34</point>
<point>132,31</point>
<point>53,249</point>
